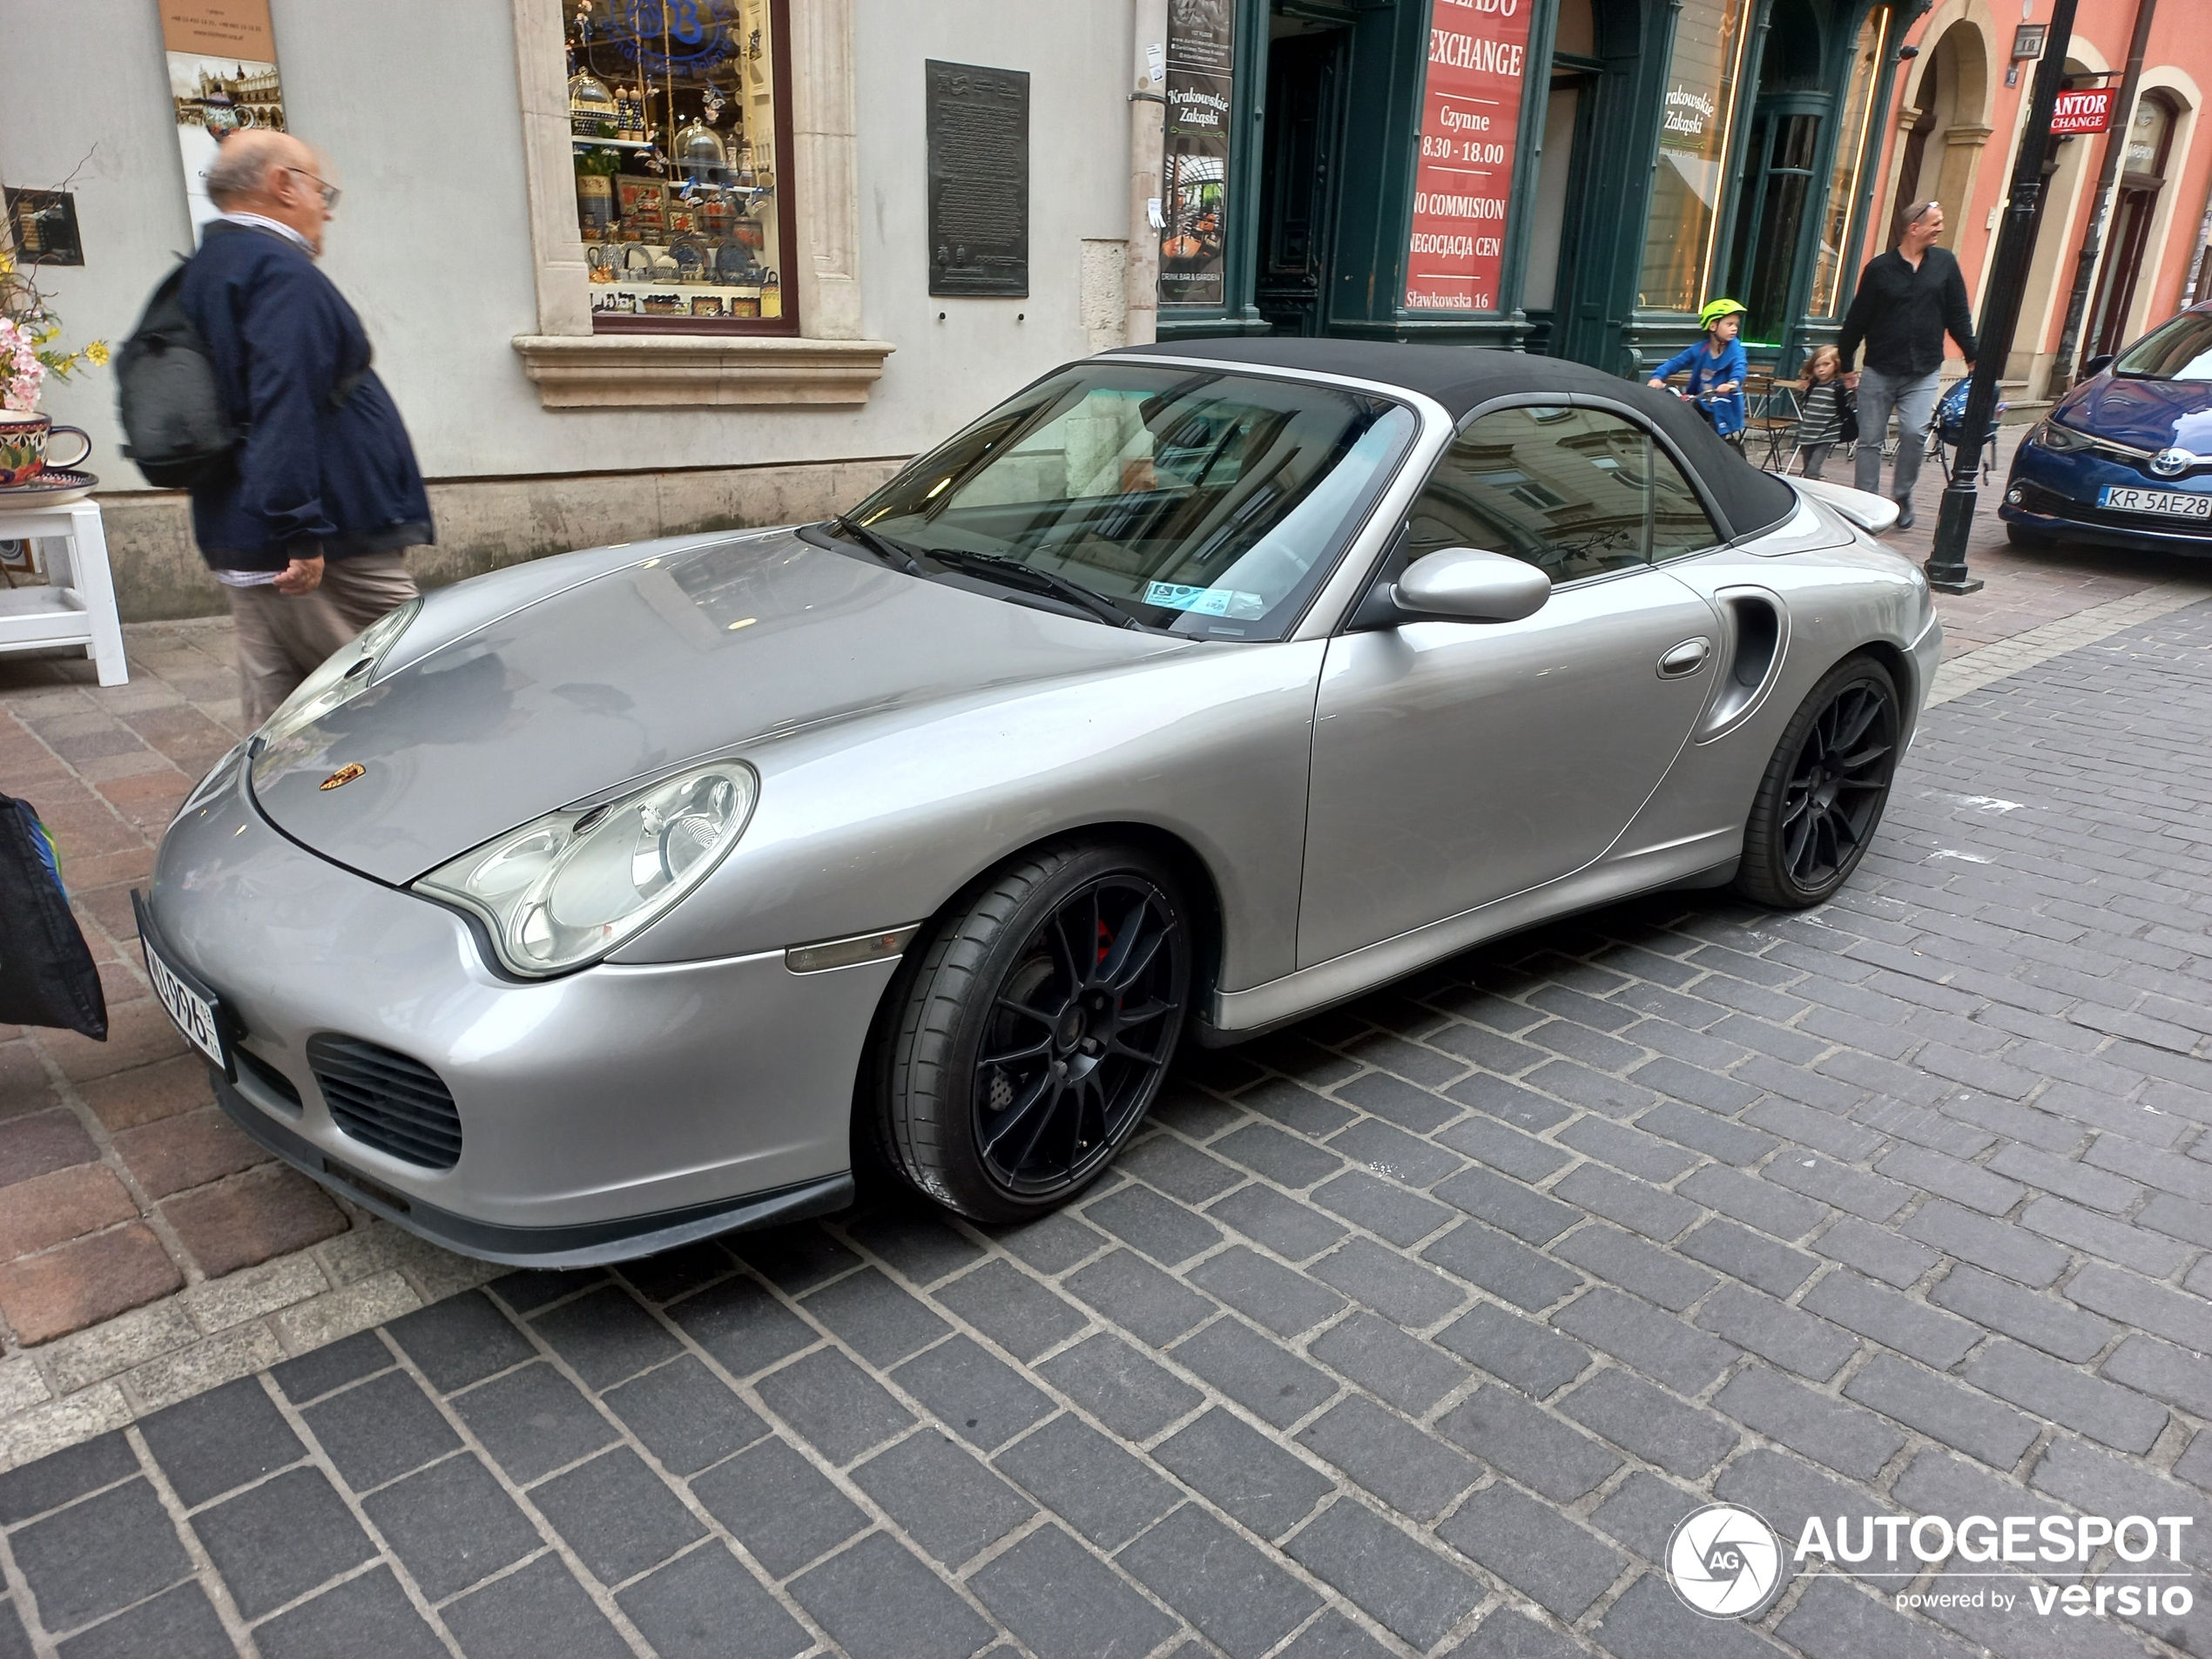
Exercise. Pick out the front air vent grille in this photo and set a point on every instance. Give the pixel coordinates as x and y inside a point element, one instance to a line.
<point>385,1100</point>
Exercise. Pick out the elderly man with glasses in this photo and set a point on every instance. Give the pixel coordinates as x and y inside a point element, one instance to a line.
<point>307,529</point>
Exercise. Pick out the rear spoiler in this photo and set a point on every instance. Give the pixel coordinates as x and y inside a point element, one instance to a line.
<point>1872,514</point>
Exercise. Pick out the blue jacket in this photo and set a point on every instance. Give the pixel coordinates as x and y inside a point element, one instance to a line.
<point>1705,370</point>
<point>308,477</point>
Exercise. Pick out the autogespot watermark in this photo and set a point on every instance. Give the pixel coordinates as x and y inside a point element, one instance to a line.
<point>1725,1562</point>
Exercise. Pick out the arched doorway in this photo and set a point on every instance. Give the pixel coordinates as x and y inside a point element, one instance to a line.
<point>1947,129</point>
<point>2142,177</point>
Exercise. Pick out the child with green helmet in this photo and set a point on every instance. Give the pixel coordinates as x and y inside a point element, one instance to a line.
<point>1716,366</point>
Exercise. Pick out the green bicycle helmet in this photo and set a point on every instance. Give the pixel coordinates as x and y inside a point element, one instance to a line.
<point>1715,309</point>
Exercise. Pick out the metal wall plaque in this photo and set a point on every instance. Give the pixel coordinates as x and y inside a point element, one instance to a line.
<point>44,224</point>
<point>978,122</point>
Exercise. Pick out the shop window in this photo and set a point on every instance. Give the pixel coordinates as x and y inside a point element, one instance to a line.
<point>680,127</point>
<point>1839,220</point>
<point>1575,492</point>
<point>1696,117</point>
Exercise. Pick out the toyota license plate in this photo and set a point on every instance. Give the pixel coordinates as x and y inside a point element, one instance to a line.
<point>2171,503</point>
<point>198,1014</point>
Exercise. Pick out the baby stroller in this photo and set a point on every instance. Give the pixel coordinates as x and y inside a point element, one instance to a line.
<point>1947,431</point>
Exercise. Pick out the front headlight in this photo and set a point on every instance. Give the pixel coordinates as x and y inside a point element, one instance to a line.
<point>2061,439</point>
<point>343,677</point>
<point>571,888</point>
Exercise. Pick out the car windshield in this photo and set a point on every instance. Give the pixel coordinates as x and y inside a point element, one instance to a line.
<point>1203,502</point>
<point>2180,351</point>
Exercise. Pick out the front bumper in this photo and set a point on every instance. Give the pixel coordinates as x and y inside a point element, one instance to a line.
<point>614,1111</point>
<point>2059,494</point>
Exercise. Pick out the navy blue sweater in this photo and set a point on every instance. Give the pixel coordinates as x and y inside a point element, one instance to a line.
<point>310,478</point>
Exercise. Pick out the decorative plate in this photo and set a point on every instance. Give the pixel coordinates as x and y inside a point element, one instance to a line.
<point>55,487</point>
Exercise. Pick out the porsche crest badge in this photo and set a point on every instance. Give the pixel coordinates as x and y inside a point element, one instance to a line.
<point>344,775</point>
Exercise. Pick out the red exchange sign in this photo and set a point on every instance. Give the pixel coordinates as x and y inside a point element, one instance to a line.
<point>2088,111</point>
<point>1470,125</point>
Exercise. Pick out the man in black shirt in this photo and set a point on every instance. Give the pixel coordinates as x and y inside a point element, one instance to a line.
<point>1907,300</point>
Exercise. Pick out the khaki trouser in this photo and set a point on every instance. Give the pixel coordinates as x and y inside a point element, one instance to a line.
<point>284,637</point>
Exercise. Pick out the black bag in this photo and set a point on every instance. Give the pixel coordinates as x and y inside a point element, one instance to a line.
<point>178,429</point>
<point>46,973</point>
<point>1846,415</point>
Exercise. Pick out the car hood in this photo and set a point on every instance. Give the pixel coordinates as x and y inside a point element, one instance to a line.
<point>2147,414</point>
<point>637,666</point>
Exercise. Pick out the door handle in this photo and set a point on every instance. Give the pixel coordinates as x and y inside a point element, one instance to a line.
<point>1685,659</point>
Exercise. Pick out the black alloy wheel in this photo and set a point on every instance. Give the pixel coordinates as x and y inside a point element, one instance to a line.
<point>1034,1031</point>
<point>1822,794</point>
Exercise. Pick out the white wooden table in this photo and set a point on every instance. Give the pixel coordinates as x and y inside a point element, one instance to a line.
<point>77,607</point>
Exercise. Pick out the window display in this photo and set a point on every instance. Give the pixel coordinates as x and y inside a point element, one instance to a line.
<point>1698,109</point>
<point>678,126</point>
<point>1846,177</point>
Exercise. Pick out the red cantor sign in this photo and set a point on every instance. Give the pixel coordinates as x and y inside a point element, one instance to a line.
<point>2084,112</point>
<point>1470,129</point>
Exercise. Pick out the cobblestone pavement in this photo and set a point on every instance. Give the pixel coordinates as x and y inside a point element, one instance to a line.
<point>1412,1330</point>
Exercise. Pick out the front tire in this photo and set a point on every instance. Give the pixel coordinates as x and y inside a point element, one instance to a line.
<point>1028,1039</point>
<point>1823,790</point>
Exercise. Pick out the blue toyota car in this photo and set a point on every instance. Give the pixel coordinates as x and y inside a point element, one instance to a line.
<point>2125,460</point>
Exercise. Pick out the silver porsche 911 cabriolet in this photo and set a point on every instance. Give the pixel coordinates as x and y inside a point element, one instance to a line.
<point>620,899</point>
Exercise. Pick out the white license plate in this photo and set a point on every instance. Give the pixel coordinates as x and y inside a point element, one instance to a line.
<point>194,1014</point>
<point>2172,503</point>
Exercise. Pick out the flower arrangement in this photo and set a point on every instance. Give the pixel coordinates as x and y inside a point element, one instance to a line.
<point>27,331</point>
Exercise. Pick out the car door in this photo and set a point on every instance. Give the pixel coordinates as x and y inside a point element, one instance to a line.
<point>1456,763</point>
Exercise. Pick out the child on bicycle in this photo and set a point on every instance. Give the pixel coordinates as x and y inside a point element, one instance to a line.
<point>1716,366</point>
<point>1821,414</point>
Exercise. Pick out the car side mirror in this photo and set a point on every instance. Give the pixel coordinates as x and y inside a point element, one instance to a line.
<point>2096,366</point>
<point>1457,584</point>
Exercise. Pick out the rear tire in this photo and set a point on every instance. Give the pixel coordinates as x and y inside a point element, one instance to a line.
<point>1821,796</point>
<point>1030,1035</point>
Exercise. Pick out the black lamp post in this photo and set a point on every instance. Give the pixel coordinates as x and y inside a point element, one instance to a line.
<point>1946,565</point>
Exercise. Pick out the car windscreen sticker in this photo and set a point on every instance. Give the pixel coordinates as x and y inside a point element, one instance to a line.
<point>1206,602</point>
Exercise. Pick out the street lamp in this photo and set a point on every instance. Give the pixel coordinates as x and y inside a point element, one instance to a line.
<point>1946,565</point>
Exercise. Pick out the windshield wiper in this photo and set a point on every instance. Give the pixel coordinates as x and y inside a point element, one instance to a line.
<point>899,558</point>
<point>1016,574</point>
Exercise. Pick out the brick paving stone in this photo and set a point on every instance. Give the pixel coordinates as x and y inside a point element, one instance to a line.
<point>1408,1469</point>
<point>1638,1334</point>
<point>1410,1587</point>
<point>1286,1303</point>
<point>100,1555</point>
<point>684,1416</point>
<point>706,1606</point>
<point>537,1610</point>
<point>980,1398</point>
<point>1062,1602</point>
<point>1535,1448</point>
<point>878,1601</point>
<point>778,1506</point>
<point>1013,1310</point>
<point>220,1440</point>
<point>265,1212</point>
<point>533,1421</point>
<point>274,1542</point>
<point>742,1326</point>
<point>1284,1225</point>
<point>1536,1360</point>
<point>1378,1356</point>
<point>1847,1439</point>
<point>604,1337</point>
<point>179,1623</point>
<point>834,1403</point>
<point>1236,1596</point>
<point>2042,1321</point>
<point>1639,1419</point>
<point>85,1281</point>
<point>947,1502</point>
<point>52,1209</point>
<point>370,1613</point>
<point>1538,1552</point>
<point>616,1514</point>
<point>1130,1394</point>
<point>1247,1474</point>
<point>1964,1420</point>
<point>1255,1372</point>
<point>451,1525</point>
<point>1793,1340</point>
<point>1104,1492</point>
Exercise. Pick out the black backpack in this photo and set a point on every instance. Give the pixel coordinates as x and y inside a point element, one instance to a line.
<point>176,425</point>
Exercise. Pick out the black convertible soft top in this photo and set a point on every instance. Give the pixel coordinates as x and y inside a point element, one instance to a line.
<point>1460,377</point>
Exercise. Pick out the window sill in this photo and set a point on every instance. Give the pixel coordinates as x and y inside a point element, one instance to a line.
<point>667,371</point>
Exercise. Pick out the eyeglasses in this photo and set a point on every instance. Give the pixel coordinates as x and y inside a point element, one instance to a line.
<point>330,192</point>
